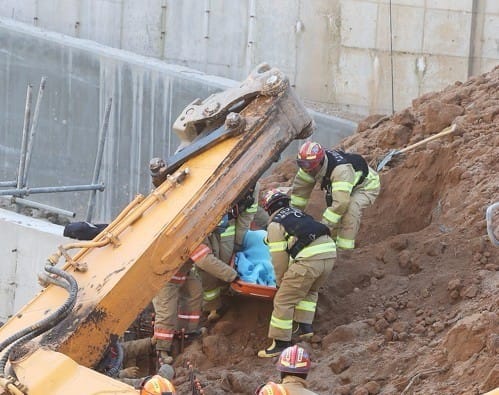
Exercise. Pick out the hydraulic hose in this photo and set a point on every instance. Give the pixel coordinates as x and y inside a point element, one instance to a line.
<point>43,325</point>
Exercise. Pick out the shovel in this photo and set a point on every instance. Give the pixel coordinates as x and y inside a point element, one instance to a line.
<point>388,157</point>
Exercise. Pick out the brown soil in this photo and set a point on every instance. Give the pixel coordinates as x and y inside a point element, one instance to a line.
<point>414,309</point>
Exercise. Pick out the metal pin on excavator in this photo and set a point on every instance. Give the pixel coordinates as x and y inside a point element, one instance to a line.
<point>51,344</point>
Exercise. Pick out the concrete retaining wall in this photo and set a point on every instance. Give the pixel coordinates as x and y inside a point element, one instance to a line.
<point>25,245</point>
<point>354,53</point>
<point>147,95</point>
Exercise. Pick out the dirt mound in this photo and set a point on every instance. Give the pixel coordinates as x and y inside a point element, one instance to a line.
<point>414,309</point>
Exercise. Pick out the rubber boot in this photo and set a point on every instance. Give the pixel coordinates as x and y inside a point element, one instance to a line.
<point>304,331</point>
<point>275,349</point>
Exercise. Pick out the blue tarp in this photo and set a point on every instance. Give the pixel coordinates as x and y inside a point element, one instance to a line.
<point>254,263</point>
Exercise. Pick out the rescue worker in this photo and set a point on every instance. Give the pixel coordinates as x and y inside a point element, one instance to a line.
<point>350,186</point>
<point>294,365</point>
<point>157,385</point>
<point>303,256</point>
<point>214,266</point>
<point>177,306</point>
<point>215,269</point>
<point>119,355</point>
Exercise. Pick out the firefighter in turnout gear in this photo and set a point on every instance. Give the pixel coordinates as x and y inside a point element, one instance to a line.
<point>349,183</point>
<point>303,256</point>
<point>177,307</point>
<point>215,269</point>
<point>294,365</point>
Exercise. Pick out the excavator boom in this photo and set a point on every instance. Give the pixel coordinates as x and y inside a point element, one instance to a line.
<point>123,268</point>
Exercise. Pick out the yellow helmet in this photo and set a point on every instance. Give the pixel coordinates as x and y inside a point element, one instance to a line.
<point>157,385</point>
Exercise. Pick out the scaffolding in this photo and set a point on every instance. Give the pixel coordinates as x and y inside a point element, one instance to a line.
<point>18,189</point>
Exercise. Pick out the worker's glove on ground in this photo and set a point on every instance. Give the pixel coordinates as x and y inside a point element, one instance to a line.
<point>157,168</point>
<point>131,373</point>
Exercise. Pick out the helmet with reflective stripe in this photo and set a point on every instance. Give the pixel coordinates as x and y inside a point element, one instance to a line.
<point>310,156</point>
<point>294,359</point>
<point>272,389</point>
<point>157,385</point>
<point>271,197</point>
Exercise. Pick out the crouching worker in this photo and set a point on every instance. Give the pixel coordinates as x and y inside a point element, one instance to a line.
<point>303,255</point>
<point>294,365</point>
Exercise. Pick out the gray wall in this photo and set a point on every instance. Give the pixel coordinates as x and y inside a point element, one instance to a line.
<point>342,52</point>
<point>147,94</point>
<point>25,245</point>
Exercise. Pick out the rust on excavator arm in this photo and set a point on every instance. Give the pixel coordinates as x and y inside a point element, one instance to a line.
<point>128,263</point>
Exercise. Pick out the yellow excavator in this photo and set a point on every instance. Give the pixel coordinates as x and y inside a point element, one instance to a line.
<point>95,289</point>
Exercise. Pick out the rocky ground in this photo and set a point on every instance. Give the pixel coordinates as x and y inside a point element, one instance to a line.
<point>415,308</point>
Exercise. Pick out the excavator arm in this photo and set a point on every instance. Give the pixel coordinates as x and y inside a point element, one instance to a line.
<point>236,135</point>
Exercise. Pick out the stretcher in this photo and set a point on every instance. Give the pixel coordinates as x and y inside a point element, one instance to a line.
<point>240,287</point>
<point>244,288</point>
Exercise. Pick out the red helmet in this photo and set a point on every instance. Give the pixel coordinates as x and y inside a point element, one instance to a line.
<point>294,359</point>
<point>310,156</point>
<point>272,389</point>
<point>273,196</point>
<point>157,385</point>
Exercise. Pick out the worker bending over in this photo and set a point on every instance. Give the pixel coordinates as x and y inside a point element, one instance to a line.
<point>350,185</point>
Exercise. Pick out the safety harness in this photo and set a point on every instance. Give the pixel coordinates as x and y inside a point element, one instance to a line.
<point>300,225</point>
<point>335,158</point>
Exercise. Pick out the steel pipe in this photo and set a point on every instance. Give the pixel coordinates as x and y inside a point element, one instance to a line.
<point>29,203</point>
<point>33,130</point>
<point>98,159</point>
<point>69,188</point>
<point>24,141</point>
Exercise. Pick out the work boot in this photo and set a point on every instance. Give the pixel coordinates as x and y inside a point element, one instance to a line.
<point>164,358</point>
<point>304,331</point>
<point>275,349</point>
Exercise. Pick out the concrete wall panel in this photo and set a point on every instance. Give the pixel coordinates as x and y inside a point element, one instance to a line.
<point>25,245</point>
<point>438,67</point>
<point>101,21</point>
<point>67,9</point>
<point>409,74</point>
<point>303,38</point>
<point>491,7</point>
<point>279,43</point>
<point>447,33</point>
<point>358,24</point>
<point>407,27</point>
<point>490,44</point>
<point>317,40</point>
<point>143,16</point>
<point>350,84</point>
<point>454,5</point>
